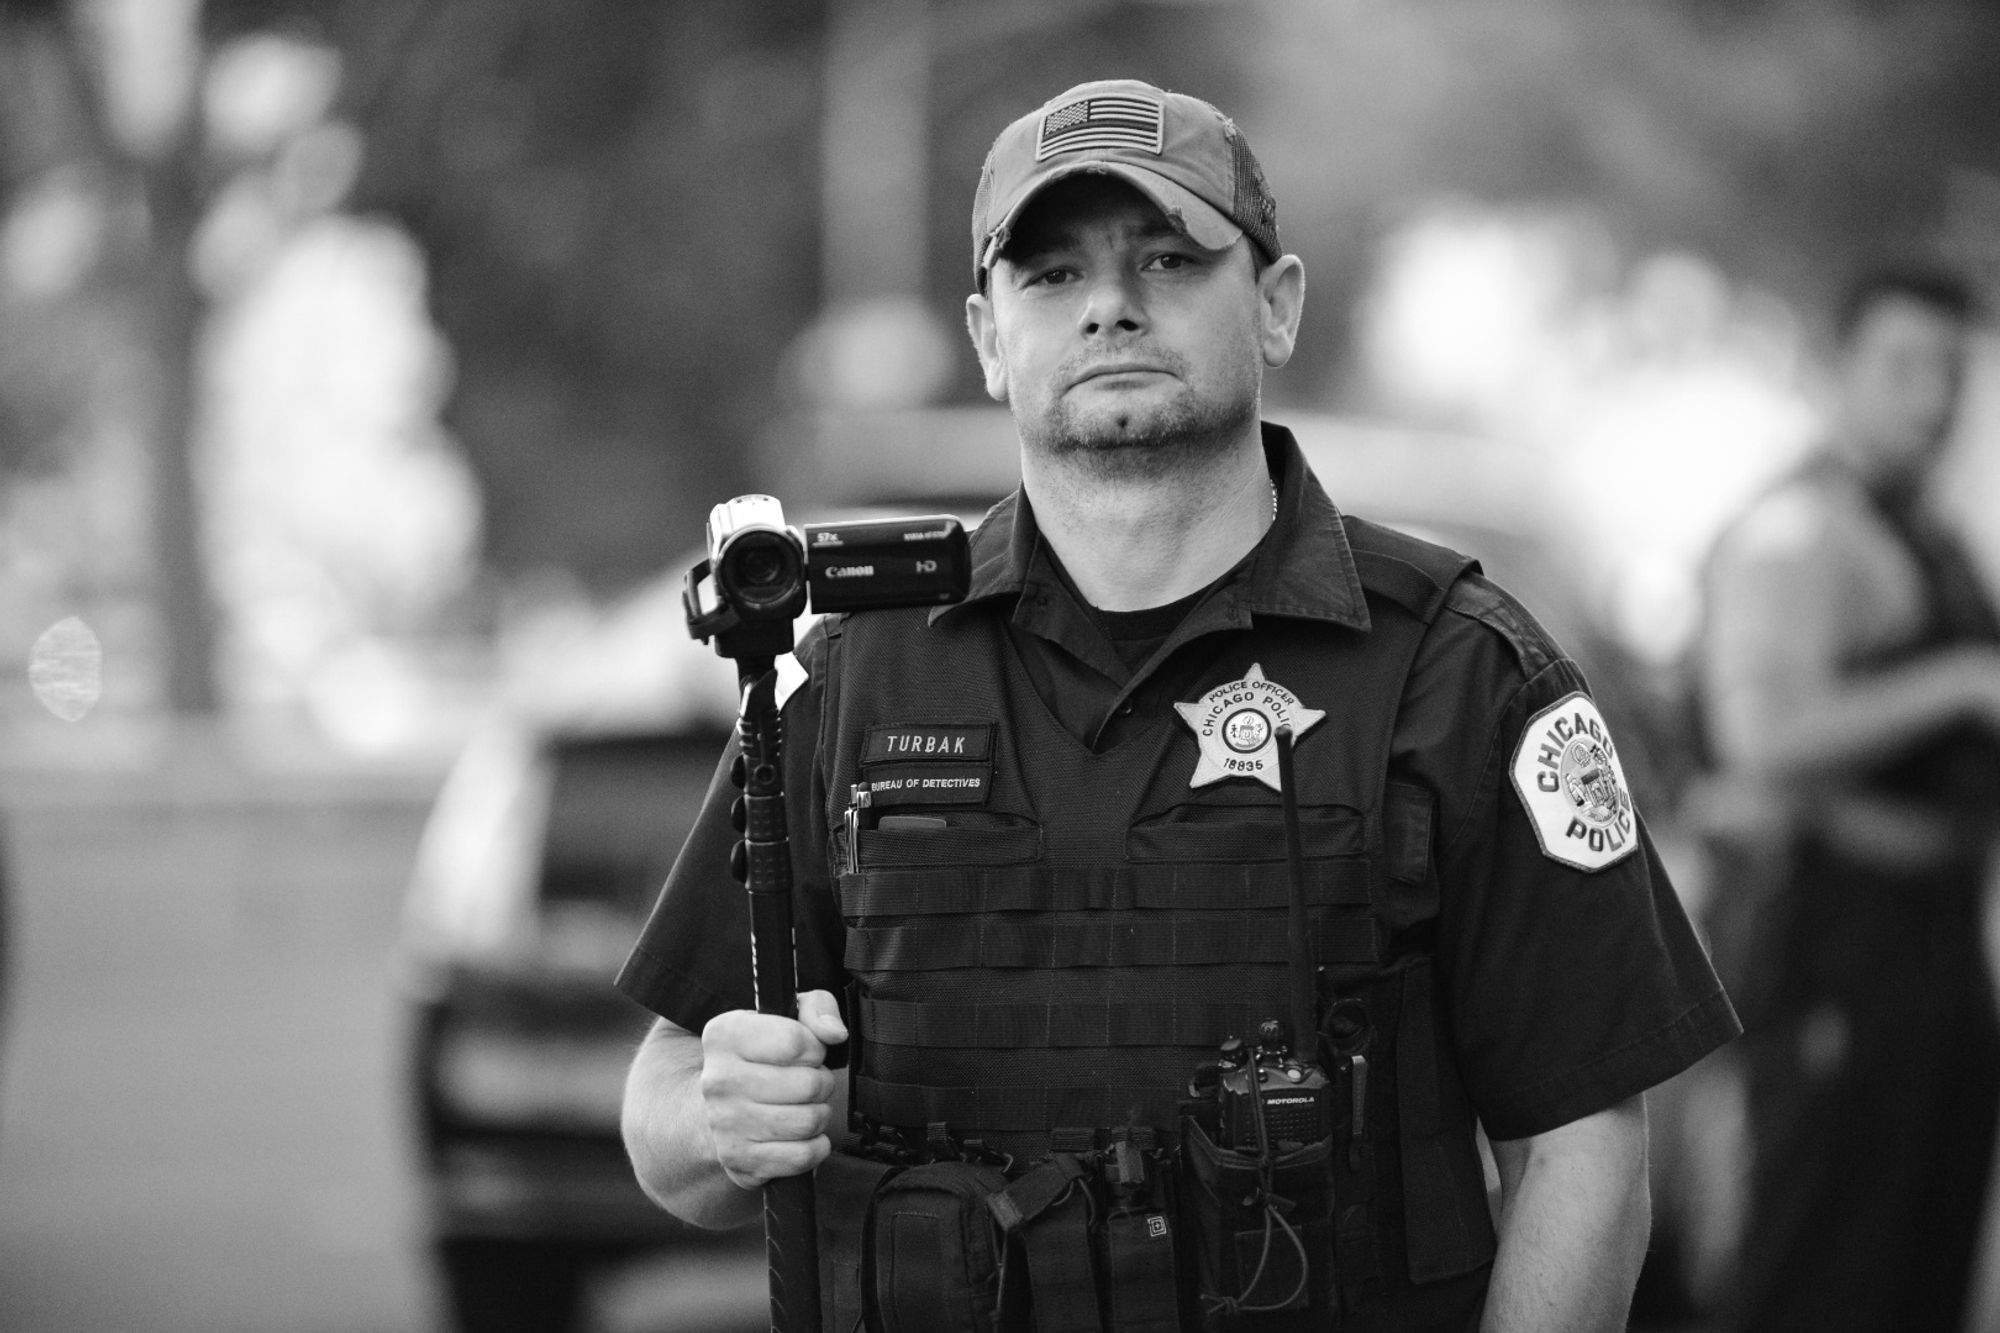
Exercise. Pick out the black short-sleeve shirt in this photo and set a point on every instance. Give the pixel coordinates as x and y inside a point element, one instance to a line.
<point>1572,979</point>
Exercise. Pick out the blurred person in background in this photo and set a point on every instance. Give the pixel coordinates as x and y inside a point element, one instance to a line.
<point>1069,884</point>
<point>1851,697</point>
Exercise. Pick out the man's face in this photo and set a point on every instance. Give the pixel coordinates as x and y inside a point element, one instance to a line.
<point>1108,332</point>
<point>1899,380</point>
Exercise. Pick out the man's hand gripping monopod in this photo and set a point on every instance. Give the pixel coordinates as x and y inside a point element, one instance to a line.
<point>746,597</point>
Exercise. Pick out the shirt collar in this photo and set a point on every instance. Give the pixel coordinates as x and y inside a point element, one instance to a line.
<point>1303,567</point>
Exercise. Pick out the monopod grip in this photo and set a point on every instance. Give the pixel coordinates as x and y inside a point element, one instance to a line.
<point>791,1250</point>
<point>791,1242</point>
<point>791,1238</point>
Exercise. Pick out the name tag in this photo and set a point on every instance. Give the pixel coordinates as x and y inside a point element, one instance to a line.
<point>928,741</point>
<point>929,763</point>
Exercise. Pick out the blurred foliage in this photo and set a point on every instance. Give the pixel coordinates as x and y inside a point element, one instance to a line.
<point>621,202</point>
<point>618,204</point>
<point>1786,140</point>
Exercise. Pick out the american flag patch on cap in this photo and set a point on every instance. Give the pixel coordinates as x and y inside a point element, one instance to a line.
<point>1121,121</point>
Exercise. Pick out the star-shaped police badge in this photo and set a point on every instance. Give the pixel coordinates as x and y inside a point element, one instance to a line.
<point>1236,726</point>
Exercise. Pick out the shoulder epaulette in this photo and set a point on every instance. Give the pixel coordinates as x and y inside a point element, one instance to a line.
<point>1413,573</point>
<point>1482,600</point>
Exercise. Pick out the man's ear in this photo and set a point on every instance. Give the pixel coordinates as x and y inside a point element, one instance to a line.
<point>986,343</point>
<point>1281,301</point>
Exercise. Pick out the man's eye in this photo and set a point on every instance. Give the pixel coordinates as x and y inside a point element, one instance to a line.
<point>1170,262</point>
<point>1054,277</point>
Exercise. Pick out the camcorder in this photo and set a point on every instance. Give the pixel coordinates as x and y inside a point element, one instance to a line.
<point>761,573</point>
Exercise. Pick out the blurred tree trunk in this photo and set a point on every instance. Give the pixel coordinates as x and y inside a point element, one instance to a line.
<point>137,65</point>
<point>185,603</point>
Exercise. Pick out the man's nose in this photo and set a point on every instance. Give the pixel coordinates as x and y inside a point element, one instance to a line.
<point>1113,304</point>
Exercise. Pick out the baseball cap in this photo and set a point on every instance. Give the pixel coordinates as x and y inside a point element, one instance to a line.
<point>1185,155</point>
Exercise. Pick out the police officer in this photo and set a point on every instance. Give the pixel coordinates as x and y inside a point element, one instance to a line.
<point>1852,688</point>
<point>1039,836</point>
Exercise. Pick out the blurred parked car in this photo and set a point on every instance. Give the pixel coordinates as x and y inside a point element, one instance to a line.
<point>547,844</point>
<point>557,825</point>
<point>545,849</point>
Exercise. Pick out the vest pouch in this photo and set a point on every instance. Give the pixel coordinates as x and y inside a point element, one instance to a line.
<point>1046,1215</point>
<point>936,1253</point>
<point>1263,1253</point>
<point>1140,1279</point>
<point>844,1190</point>
<point>972,838</point>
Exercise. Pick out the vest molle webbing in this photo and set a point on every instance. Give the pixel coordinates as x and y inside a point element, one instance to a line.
<point>1040,937</point>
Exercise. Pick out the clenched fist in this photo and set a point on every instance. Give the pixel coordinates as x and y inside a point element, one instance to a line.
<point>767,1091</point>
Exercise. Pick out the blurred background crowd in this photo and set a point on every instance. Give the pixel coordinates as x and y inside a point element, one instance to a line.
<point>367,368</point>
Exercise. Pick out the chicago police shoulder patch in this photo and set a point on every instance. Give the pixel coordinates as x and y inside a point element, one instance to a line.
<point>1236,727</point>
<point>1567,774</point>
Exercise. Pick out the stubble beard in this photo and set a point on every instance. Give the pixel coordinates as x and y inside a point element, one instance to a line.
<point>1151,439</point>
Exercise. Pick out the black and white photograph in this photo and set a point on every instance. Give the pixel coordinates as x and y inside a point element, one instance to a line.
<point>952,666</point>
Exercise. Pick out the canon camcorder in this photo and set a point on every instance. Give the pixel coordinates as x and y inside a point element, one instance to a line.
<point>761,574</point>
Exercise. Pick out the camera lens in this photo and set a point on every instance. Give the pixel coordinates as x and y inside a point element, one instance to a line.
<point>761,566</point>
<point>762,571</point>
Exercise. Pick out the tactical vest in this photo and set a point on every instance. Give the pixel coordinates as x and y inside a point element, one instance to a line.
<point>1043,939</point>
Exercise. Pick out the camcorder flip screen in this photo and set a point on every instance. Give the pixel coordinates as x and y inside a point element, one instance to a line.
<point>870,563</point>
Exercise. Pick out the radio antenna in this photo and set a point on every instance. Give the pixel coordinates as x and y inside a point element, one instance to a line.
<point>1305,1024</point>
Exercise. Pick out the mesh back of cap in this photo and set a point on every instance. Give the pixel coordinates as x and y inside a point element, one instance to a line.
<point>979,202</point>
<point>1253,208</point>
